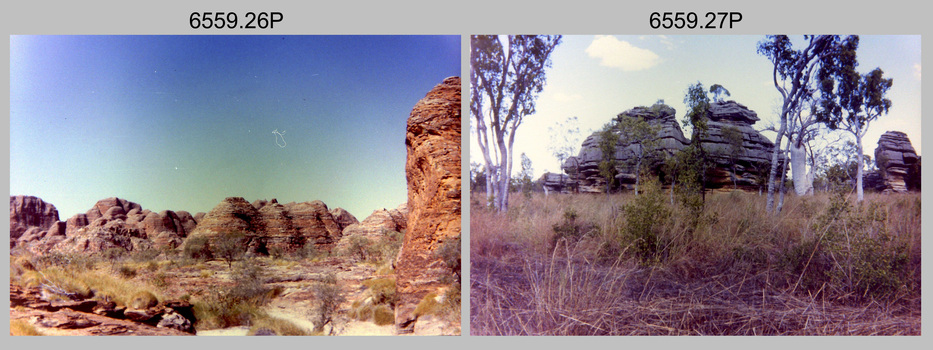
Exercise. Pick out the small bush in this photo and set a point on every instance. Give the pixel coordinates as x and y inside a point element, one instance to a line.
<point>645,217</point>
<point>197,248</point>
<point>21,327</point>
<point>126,271</point>
<point>329,298</point>
<point>383,315</point>
<point>143,300</point>
<point>449,252</point>
<point>428,305</point>
<point>382,291</point>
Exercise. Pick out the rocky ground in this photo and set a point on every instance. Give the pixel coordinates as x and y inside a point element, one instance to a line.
<point>295,303</point>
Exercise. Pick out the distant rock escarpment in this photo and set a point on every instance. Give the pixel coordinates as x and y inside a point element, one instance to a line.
<point>746,161</point>
<point>33,218</point>
<point>111,223</point>
<point>432,169</point>
<point>898,163</point>
<point>270,224</point>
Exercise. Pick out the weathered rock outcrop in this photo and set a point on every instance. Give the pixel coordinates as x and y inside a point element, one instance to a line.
<point>897,162</point>
<point>433,173</point>
<point>555,183</point>
<point>110,223</point>
<point>30,212</point>
<point>174,317</point>
<point>376,225</point>
<point>750,160</point>
<point>747,162</point>
<point>270,224</point>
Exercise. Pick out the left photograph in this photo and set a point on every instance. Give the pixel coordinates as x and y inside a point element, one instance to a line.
<point>235,185</point>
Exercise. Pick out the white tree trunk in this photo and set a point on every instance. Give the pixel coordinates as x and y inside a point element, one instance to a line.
<point>803,181</point>
<point>861,160</point>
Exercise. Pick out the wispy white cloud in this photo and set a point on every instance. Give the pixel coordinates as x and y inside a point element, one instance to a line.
<point>616,53</point>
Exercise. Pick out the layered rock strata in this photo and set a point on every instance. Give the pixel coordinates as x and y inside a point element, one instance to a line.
<point>897,162</point>
<point>747,162</point>
<point>432,170</point>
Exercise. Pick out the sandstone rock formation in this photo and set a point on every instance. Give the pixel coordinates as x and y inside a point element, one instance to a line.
<point>897,161</point>
<point>585,166</point>
<point>433,173</point>
<point>555,183</point>
<point>376,225</point>
<point>27,212</point>
<point>270,224</point>
<point>753,157</point>
<point>110,223</point>
<point>747,164</point>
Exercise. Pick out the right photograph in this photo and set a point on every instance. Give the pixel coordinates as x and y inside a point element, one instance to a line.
<point>695,185</point>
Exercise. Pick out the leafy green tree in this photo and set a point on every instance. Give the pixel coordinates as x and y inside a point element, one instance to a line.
<point>608,140</point>
<point>505,80</point>
<point>229,246</point>
<point>734,140</point>
<point>641,135</point>
<point>718,91</point>
<point>850,102</point>
<point>792,74</point>
<point>697,118</point>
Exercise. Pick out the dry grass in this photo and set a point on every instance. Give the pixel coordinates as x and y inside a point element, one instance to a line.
<point>734,274</point>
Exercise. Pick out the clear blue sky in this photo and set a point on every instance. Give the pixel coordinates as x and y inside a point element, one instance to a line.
<point>597,77</point>
<point>181,122</point>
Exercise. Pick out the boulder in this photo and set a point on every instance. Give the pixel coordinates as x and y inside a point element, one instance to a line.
<point>896,161</point>
<point>555,183</point>
<point>74,223</point>
<point>432,169</point>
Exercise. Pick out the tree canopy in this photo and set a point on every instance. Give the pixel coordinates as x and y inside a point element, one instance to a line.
<point>505,80</point>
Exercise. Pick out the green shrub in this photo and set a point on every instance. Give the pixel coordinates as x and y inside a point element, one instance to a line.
<point>197,247</point>
<point>383,291</point>
<point>449,252</point>
<point>645,218</point>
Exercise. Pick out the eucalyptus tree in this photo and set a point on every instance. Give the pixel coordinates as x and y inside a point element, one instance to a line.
<point>505,79</point>
<point>793,76</point>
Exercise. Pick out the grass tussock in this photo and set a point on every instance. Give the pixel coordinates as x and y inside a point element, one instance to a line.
<point>636,265</point>
<point>21,327</point>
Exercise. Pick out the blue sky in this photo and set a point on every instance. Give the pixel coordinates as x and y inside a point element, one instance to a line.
<point>597,77</point>
<point>181,122</point>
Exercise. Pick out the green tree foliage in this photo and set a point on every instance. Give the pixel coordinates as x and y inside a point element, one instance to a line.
<point>718,91</point>
<point>850,101</point>
<point>229,246</point>
<point>608,140</point>
<point>792,73</point>
<point>505,80</point>
<point>643,137</point>
<point>697,118</point>
<point>735,141</point>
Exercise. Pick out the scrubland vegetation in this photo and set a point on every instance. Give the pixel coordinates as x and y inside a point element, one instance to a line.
<point>621,264</point>
<point>227,287</point>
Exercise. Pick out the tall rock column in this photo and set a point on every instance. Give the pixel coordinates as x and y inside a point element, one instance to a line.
<point>433,174</point>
